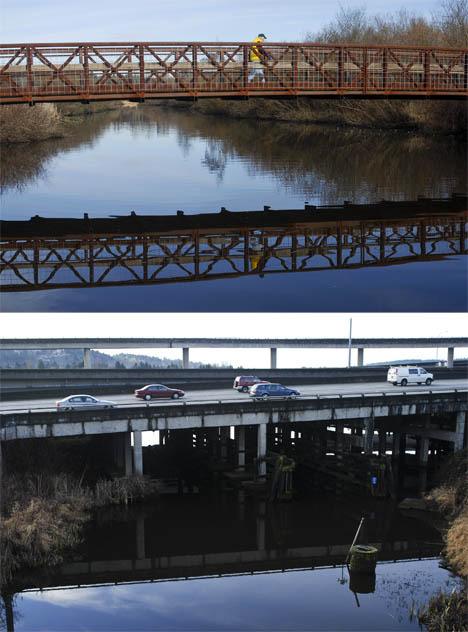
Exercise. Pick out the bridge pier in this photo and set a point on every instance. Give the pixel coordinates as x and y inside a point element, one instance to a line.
<point>185,357</point>
<point>261,448</point>
<point>240,436</point>
<point>369,438</point>
<point>360,356</point>
<point>450,354</point>
<point>137,453</point>
<point>128,454</point>
<point>273,358</point>
<point>460,430</point>
<point>87,362</point>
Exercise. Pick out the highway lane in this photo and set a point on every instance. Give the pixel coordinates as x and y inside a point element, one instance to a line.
<point>231,394</point>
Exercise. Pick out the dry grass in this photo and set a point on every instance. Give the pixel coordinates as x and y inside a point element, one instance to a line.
<point>446,612</point>
<point>123,491</point>
<point>457,543</point>
<point>24,124</point>
<point>39,534</point>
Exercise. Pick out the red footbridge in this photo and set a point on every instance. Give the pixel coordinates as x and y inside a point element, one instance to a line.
<point>94,71</point>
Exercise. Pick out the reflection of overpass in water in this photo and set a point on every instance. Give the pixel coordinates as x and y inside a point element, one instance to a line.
<point>238,541</point>
<point>45,254</point>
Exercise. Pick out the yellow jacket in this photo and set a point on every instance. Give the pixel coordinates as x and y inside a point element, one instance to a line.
<point>254,52</point>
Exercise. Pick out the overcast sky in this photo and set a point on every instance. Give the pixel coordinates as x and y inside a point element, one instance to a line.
<point>180,20</point>
<point>248,325</point>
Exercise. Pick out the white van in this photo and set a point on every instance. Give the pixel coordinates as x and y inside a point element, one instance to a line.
<point>409,375</point>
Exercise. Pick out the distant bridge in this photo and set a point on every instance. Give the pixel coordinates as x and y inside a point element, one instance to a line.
<point>91,71</point>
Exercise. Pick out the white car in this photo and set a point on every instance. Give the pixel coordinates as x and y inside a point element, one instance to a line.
<point>409,375</point>
<point>83,401</point>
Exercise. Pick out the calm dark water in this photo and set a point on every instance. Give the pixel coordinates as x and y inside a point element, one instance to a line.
<point>238,566</point>
<point>153,160</point>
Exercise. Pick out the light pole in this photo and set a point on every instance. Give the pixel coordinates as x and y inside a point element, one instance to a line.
<point>349,342</point>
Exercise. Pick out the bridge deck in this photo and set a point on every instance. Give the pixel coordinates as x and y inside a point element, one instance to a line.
<point>139,70</point>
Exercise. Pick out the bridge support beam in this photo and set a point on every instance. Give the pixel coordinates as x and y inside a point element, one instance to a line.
<point>261,448</point>
<point>360,356</point>
<point>137,453</point>
<point>224,433</point>
<point>87,363</point>
<point>450,353</point>
<point>240,436</point>
<point>273,358</point>
<point>369,439</point>
<point>185,357</point>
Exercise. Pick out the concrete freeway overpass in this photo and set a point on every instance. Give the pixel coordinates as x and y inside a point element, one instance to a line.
<point>430,415</point>
<point>233,343</point>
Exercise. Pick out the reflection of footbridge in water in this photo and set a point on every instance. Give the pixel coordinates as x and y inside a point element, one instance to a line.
<point>42,253</point>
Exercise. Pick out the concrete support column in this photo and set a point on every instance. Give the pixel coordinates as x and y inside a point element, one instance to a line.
<point>185,357</point>
<point>261,447</point>
<point>450,352</point>
<point>422,451</point>
<point>339,436</point>
<point>240,437</point>
<point>360,356</point>
<point>460,430</point>
<point>369,439</point>
<point>273,358</point>
<point>224,438</point>
<point>128,454</point>
<point>396,443</point>
<point>382,442</point>
<point>87,359</point>
<point>137,453</point>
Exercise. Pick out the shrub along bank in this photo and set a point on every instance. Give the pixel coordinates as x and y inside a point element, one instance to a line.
<point>448,612</point>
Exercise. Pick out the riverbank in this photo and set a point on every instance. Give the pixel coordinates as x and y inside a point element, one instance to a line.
<point>446,612</point>
<point>43,515</point>
<point>423,117</point>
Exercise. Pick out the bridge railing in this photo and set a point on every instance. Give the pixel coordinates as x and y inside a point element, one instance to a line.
<point>86,71</point>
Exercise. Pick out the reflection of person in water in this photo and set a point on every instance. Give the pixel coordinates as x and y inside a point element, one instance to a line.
<point>257,55</point>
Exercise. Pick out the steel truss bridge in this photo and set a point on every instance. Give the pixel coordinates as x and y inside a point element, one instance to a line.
<point>90,71</point>
<point>102,257</point>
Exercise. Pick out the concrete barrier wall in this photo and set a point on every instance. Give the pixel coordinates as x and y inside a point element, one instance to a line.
<point>22,383</point>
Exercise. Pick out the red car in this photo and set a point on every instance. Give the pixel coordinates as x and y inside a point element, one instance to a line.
<point>242,383</point>
<point>158,390</point>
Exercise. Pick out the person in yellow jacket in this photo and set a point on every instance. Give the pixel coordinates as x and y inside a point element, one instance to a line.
<point>256,56</point>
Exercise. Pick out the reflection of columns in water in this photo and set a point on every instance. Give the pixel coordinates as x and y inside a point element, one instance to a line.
<point>240,440</point>
<point>261,525</point>
<point>261,448</point>
<point>140,537</point>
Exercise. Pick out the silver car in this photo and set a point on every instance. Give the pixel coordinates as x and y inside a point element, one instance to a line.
<point>83,401</point>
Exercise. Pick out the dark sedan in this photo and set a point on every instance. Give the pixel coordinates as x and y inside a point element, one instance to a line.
<point>268,391</point>
<point>153,391</point>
